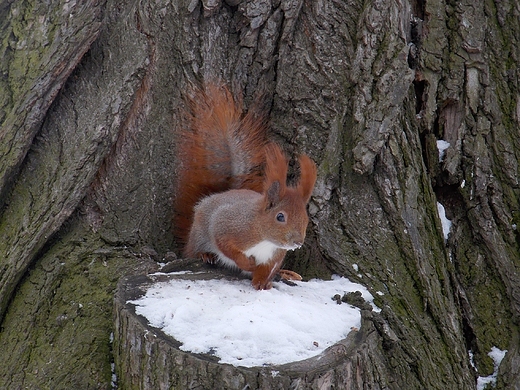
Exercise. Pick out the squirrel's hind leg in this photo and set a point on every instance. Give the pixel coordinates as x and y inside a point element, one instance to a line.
<point>231,255</point>
<point>209,258</point>
<point>289,275</point>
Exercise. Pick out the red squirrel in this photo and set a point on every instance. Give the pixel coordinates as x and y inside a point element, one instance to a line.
<point>233,203</point>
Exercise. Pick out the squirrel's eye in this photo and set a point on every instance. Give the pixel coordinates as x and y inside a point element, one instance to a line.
<point>280,217</point>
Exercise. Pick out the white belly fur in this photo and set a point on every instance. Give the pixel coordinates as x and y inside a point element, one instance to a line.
<point>262,252</point>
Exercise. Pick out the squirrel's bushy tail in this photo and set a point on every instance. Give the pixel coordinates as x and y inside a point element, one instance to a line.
<point>219,149</point>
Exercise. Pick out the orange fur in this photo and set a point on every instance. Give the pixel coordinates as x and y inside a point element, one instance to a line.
<point>214,122</point>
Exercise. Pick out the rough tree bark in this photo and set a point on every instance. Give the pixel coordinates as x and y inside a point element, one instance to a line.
<point>90,97</point>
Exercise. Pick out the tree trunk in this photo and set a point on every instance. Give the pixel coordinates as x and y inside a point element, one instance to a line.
<point>91,95</point>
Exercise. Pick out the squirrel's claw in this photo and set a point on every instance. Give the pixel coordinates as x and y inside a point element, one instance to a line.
<point>209,258</point>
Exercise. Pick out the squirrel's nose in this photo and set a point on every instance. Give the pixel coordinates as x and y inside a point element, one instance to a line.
<point>296,239</point>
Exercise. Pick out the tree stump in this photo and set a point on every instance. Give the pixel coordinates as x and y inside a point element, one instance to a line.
<point>147,358</point>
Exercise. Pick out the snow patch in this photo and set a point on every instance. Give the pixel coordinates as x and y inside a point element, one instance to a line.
<point>446,223</point>
<point>497,355</point>
<point>245,327</point>
<point>442,146</point>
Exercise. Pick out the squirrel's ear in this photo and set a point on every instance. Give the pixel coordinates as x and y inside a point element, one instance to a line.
<point>308,173</point>
<point>275,169</point>
<point>272,195</point>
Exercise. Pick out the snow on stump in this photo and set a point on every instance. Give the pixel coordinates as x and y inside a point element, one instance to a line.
<point>148,357</point>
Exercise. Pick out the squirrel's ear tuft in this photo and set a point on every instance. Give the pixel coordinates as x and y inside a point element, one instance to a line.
<point>272,195</point>
<point>275,168</point>
<point>308,173</point>
<point>275,175</point>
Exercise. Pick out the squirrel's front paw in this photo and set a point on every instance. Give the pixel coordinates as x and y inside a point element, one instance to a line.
<point>261,277</point>
<point>262,284</point>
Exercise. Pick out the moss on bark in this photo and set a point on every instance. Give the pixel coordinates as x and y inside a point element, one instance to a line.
<point>58,326</point>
